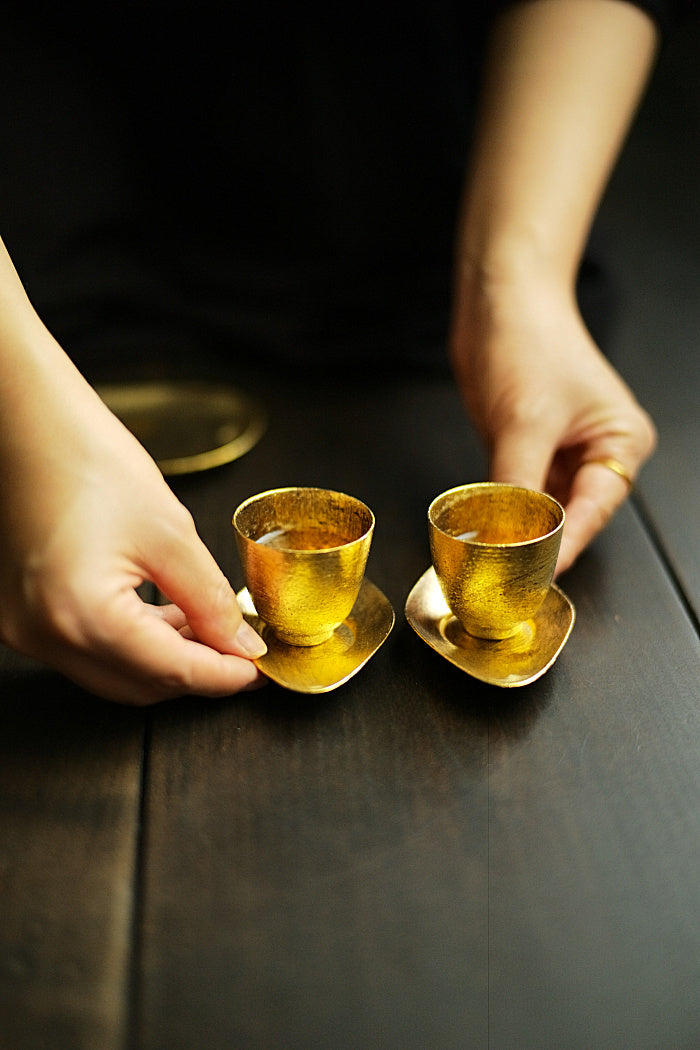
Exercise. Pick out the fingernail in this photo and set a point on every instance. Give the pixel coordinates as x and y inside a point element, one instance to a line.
<point>249,641</point>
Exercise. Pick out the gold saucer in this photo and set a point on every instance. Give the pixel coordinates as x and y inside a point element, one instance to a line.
<point>512,662</point>
<point>187,426</point>
<point>320,668</point>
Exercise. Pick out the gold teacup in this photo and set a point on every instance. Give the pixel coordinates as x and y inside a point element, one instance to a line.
<point>494,550</point>
<point>303,552</point>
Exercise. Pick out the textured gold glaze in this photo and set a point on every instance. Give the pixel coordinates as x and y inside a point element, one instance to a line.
<point>515,661</point>
<point>494,549</point>
<point>303,552</point>
<point>321,668</point>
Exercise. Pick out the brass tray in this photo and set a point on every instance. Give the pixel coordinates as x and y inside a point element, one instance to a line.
<point>187,426</point>
<point>509,663</point>
<point>321,668</point>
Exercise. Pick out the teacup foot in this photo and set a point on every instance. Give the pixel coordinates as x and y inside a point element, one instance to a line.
<point>520,639</point>
<point>304,641</point>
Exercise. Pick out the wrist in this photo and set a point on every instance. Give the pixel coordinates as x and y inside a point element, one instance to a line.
<point>491,262</point>
<point>508,280</point>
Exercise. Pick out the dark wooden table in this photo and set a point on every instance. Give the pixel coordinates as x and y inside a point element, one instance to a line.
<point>412,861</point>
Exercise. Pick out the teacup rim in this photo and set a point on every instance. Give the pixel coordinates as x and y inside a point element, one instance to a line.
<point>305,488</point>
<point>493,485</point>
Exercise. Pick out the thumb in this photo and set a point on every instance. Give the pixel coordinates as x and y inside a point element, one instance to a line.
<point>187,574</point>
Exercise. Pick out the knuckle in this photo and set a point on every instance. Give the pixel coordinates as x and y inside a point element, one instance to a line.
<point>641,435</point>
<point>177,682</point>
<point>524,414</point>
<point>217,611</point>
<point>650,436</point>
<point>180,527</point>
<point>70,609</point>
<point>222,598</point>
<point>44,630</point>
<point>61,615</point>
<point>602,515</point>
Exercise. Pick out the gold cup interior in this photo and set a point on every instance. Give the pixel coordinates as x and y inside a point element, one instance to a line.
<point>494,549</point>
<point>303,552</point>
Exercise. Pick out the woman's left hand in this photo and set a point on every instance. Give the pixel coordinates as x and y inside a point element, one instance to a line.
<point>552,410</point>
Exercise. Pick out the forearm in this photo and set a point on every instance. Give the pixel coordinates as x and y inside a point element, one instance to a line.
<point>26,347</point>
<point>85,517</point>
<point>34,370</point>
<point>19,324</point>
<point>563,80</point>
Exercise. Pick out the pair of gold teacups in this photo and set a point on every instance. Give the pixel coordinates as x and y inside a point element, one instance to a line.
<point>494,549</point>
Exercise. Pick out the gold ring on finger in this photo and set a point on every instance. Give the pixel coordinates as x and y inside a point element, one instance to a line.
<point>616,467</point>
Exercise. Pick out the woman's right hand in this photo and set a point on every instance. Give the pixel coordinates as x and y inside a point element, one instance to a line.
<point>85,518</point>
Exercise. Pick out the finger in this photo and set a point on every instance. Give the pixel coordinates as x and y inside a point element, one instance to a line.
<point>143,660</point>
<point>176,619</point>
<point>597,493</point>
<point>186,572</point>
<point>521,455</point>
<point>116,684</point>
<point>171,614</point>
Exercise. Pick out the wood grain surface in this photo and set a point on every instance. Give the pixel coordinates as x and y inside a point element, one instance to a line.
<point>70,784</point>
<point>414,860</point>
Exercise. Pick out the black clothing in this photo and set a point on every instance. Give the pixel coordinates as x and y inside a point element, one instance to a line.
<point>281,178</point>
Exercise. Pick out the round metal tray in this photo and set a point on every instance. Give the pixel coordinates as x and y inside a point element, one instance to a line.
<point>187,426</point>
